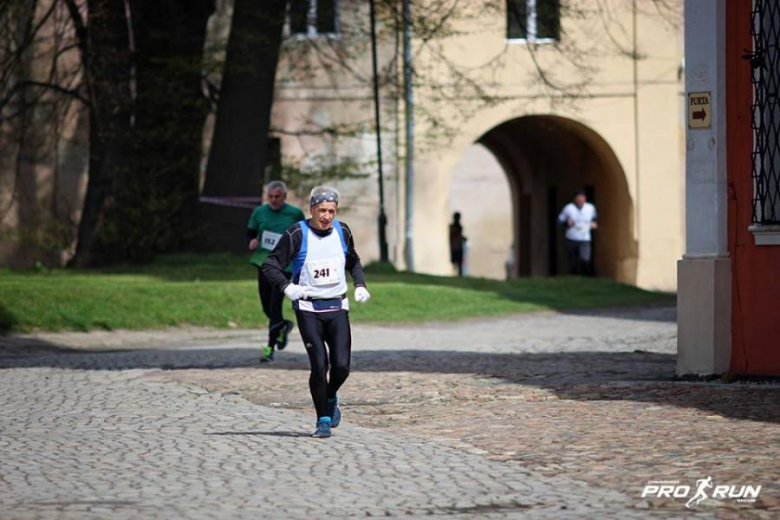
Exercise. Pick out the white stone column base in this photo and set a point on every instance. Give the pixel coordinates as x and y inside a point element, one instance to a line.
<point>703,315</point>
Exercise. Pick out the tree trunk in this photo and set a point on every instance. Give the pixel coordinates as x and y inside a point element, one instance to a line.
<point>157,204</point>
<point>105,58</point>
<point>240,143</point>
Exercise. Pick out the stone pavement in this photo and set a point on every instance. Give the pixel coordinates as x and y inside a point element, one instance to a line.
<point>534,416</point>
<point>98,444</point>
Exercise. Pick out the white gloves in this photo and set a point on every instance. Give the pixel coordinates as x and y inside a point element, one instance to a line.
<point>362,295</point>
<point>294,292</point>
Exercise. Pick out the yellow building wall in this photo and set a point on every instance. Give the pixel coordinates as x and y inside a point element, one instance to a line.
<point>629,109</point>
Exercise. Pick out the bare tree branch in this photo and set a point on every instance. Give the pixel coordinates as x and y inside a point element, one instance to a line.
<point>56,88</point>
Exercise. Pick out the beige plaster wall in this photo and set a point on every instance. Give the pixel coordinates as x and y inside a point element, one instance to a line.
<point>44,153</point>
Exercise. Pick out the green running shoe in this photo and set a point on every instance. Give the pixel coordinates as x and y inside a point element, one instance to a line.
<point>268,354</point>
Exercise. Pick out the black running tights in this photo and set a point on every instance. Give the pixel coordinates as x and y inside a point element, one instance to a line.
<point>328,340</point>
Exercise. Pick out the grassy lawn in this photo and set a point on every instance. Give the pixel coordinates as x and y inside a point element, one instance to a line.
<point>221,291</point>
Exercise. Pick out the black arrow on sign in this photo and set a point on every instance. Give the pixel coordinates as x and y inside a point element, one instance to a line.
<point>699,114</point>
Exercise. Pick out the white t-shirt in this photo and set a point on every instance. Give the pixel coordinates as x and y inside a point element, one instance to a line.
<point>582,218</point>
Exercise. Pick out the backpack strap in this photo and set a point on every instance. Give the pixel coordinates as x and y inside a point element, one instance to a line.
<point>340,230</point>
<point>300,257</point>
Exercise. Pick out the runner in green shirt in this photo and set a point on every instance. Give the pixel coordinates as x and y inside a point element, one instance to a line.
<point>266,226</point>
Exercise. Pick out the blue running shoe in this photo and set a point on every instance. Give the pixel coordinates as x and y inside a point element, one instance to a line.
<point>284,335</point>
<point>323,428</point>
<point>335,412</point>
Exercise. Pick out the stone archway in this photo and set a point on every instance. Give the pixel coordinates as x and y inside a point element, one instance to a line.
<point>545,159</point>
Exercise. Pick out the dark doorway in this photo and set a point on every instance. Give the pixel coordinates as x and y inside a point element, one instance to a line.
<point>590,192</point>
<point>552,218</point>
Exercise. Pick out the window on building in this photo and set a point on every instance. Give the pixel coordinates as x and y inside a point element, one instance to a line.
<point>766,111</point>
<point>313,17</point>
<point>537,21</point>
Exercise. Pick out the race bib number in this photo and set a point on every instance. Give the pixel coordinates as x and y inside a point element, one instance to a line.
<point>325,272</point>
<point>269,240</point>
<point>582,226</point>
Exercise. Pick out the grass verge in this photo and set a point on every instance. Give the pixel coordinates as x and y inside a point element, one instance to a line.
<point>221,291</point>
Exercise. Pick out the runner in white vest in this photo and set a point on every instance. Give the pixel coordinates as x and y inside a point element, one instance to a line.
<point>321,251</point>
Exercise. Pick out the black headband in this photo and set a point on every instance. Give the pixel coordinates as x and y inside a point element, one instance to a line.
<point>325,196</point>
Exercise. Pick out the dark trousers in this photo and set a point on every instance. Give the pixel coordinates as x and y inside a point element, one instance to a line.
<point>328,340</point>
<point>271,299</point>
<point>579,255</point>
<point>456,257</point>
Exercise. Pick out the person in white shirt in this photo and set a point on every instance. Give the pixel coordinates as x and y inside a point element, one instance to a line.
<point>579,217</point>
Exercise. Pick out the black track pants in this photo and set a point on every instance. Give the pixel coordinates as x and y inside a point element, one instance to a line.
<point>271,298</point>
<point>327,337</point>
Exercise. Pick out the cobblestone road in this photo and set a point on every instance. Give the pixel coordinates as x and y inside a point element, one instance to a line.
<point>488,419</point>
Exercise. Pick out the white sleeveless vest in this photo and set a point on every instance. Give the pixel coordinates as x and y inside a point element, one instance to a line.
<point>320,265</point>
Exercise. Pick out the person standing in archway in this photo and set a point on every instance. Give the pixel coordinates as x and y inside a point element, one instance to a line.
<point>266,225</point>
<point>579,217</point>
<point>457,243</point>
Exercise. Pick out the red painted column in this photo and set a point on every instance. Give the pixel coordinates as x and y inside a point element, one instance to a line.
<point>755,314</point>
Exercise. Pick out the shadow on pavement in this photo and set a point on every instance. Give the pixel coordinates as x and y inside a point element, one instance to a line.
<point>268,434</point>
<point>17,350</point>
<point>582,376</point>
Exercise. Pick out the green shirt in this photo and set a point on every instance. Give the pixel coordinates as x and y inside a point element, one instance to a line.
<point>269,226</point>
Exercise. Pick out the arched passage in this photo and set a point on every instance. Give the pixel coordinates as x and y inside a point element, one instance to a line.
<point>546,158</point>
